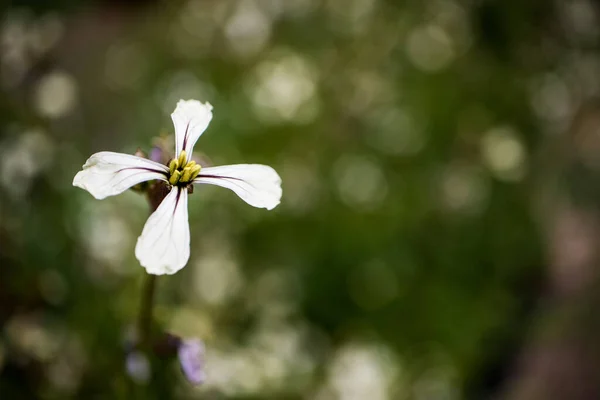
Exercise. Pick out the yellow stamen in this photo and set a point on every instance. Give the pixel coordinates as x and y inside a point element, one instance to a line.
<point>173,165</point>
<point>195,171</point>
<point>186,175</point>
<point>182,158</point>
<point>174,177</point>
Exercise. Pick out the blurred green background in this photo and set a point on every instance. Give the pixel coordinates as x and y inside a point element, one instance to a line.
<point>439,226</point>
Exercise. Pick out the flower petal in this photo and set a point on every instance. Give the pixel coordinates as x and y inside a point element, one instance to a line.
<point>164,245</point>
<point>191,359</point>
<point>191,118</point>
<point>258,185</point>
<point>107,174</point>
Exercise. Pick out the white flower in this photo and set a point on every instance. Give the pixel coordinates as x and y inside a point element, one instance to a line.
<point>164,245</point>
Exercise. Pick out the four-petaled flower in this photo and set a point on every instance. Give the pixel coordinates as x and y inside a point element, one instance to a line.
<point>164,245</point>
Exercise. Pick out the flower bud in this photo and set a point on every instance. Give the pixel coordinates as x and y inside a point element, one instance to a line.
<point>140,153</point>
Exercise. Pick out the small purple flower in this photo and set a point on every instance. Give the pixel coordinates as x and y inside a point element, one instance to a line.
<point>156,154</point>
<point>191,359</point>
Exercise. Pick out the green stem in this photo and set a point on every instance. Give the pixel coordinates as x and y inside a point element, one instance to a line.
<point>145,321</point>
<point>155,194</point>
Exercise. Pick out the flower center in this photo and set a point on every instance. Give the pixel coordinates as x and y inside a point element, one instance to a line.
<point>181,171</point>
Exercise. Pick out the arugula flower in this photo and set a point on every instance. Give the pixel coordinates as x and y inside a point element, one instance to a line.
<point>164,245</point>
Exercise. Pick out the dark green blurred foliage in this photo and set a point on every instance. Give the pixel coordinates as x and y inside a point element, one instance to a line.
<point>426,150</point>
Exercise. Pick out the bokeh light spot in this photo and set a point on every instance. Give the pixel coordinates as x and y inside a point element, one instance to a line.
<point>56,94</point>
<point>302,189</point>
<point>551,99</point>
<point>465,188</point>
<point>125,65</point>
<point>284,90</point>
<point>363,371</point>
<point>248,29</point>
<point>107,236</point>
<point>395,132</point>
<point>360,182</point>
<point>21,159</point>
<point>430,48</point>
<point>217,278</point>
<point>504,154</point>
